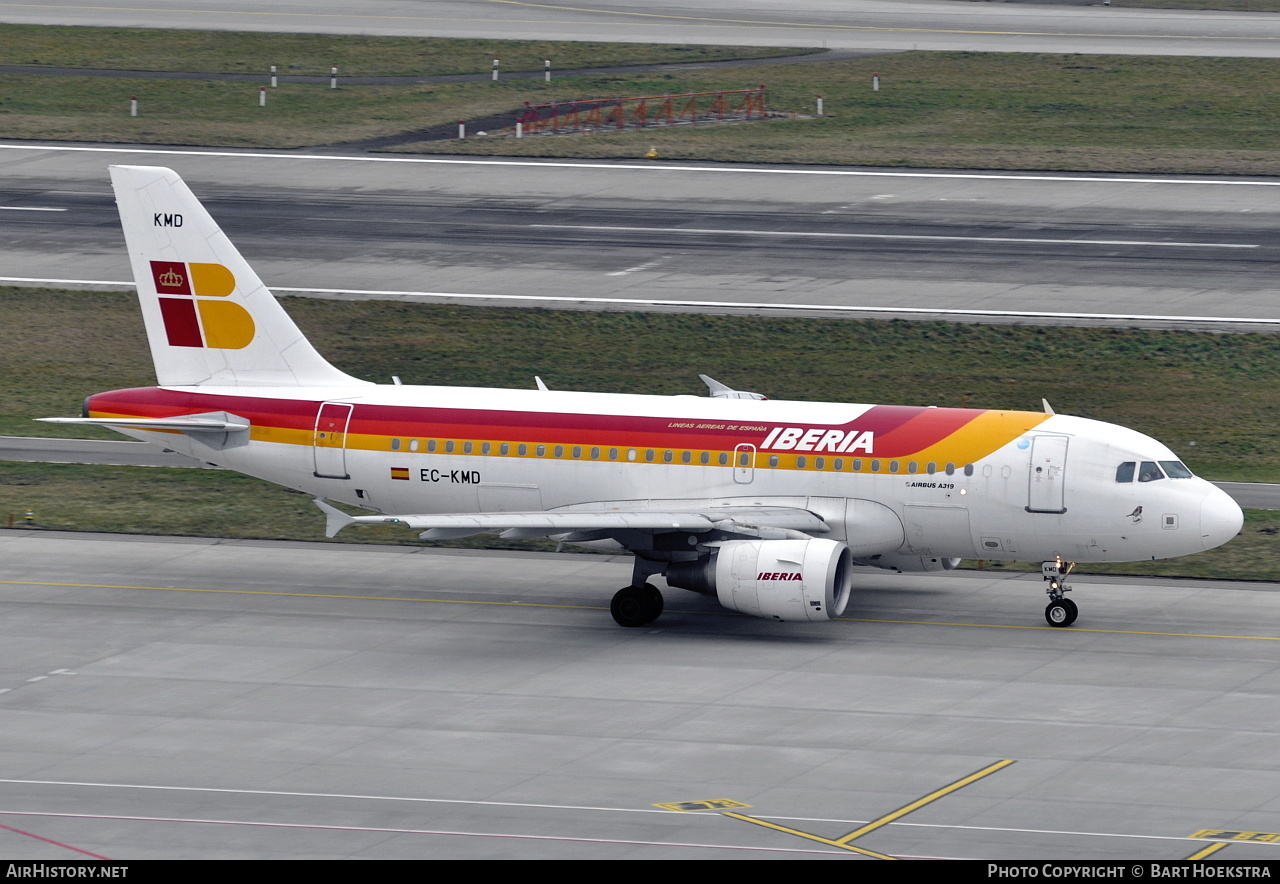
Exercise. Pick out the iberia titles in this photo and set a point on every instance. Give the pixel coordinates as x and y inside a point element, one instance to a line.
<point>819,439</point>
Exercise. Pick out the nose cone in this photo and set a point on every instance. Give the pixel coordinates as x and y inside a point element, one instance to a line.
<point>1220,519</point>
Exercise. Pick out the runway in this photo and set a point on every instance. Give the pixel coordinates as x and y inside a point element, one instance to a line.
<point>167,697</point>
<point>1159,251</point>
<point>860,24</point>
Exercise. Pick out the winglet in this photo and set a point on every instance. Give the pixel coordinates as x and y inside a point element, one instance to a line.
<point>334,519</point>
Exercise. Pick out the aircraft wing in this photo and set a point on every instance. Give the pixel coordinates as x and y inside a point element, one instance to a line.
<point>438,526</point>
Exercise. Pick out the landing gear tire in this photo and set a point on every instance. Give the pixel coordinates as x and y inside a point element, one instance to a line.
<point>636,605</point>
<point>1062,612</point>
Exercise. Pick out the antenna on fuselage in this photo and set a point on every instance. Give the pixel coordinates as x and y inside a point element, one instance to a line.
<point>541,385</point>
<point>1048,409</point>
<point>721,391</point>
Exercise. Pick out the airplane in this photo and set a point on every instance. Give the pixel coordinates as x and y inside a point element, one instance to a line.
<point>765,504</point>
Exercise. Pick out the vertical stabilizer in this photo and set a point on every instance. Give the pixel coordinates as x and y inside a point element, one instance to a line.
<point>210,320</point>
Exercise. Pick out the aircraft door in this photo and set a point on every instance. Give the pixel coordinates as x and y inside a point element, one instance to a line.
<point>330,440</point>
<point>1048,474</point>
<point>744,464</point>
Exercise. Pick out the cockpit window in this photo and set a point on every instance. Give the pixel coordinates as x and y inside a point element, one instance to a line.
<point>1175,469</point>
<point>1124,472</point>
<point>1149,472</point>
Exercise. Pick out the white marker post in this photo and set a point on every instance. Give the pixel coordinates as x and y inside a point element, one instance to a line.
<point>133,106</point>
<point>273,76</point>
<point>547,69</point>
<point>519,129</point>
<point>875,82</point>
<point>495,70</point>
<point>819,105</point>
<point>333,77</point>
<point>262,96</point>
<point>462,129</point>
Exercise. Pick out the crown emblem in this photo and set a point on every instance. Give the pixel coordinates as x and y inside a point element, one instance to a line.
<point>169,279</point>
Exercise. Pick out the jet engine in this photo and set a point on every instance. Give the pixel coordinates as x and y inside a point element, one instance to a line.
<point>805,579</point>
<point>895,562</point>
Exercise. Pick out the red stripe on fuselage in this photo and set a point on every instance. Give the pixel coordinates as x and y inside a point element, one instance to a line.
<point>899,430</point>
<point>927,427</point>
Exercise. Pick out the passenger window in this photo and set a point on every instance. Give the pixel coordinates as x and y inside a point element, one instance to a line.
<point>800,462</point>
<point>724,458</point>
<point>395,444</point>
<point>431,445</point>
<point>819,463</point>
<point>1149,472</point>
<point>1175,469</point>
<point>1124,472</point>
<point>773,460</point>
<point>448,447</point>
<point>705,457</point>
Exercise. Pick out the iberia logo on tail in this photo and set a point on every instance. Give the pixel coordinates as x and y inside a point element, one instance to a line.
<point>192,315</point>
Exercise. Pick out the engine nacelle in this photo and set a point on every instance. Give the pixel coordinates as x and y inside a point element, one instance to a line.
<point>781,579</point>
<point>895,562</point>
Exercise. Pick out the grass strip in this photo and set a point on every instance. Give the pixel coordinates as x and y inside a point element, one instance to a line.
<point>239,52</point>
<point>934,109</point>
<point>966,110</point>
<point>1211,397</point>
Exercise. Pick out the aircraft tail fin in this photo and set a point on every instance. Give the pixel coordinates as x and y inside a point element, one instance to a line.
<point>210,320</point>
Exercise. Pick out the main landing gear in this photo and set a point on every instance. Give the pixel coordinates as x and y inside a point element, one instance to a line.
<point>1061,610</point>
<point>636,605</point>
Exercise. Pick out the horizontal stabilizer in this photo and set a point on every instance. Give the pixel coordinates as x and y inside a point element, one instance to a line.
<point>186,424</point>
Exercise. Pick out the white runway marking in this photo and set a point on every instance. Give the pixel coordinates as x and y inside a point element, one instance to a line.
<point>901,236</point>
<point>652,167</point>
<point>533,806</point>
<point>714,305</point>
<point>28,209</point>
<point>398,831</point>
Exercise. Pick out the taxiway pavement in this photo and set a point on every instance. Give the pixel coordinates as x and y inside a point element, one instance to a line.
<point>1084,249</point>
<point>862,24</point>
<point>169,697</point>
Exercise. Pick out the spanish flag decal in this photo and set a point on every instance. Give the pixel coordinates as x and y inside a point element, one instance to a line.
<point>193,314</point>
<point>400,473</point>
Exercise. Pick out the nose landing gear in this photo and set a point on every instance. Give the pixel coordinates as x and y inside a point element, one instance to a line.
<point>1061,611</point>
